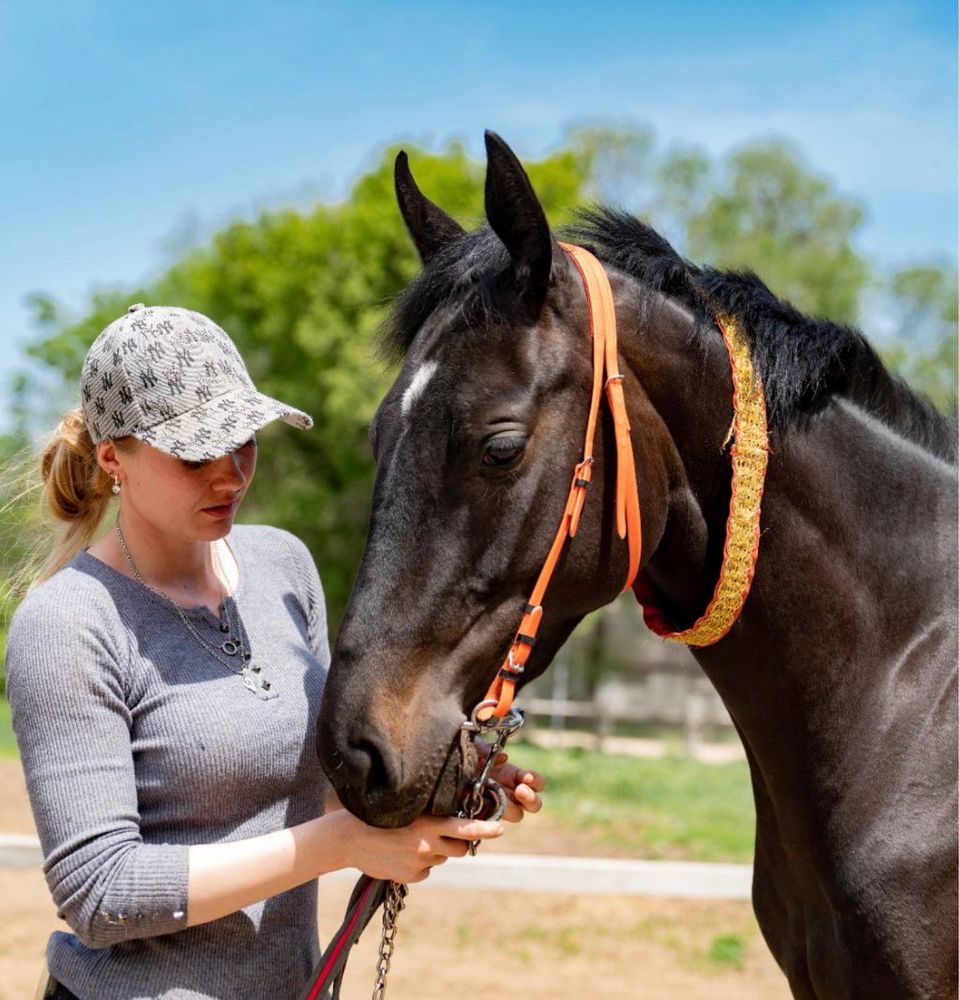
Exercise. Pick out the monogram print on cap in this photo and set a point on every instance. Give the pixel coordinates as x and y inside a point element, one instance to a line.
<point>173,378</point>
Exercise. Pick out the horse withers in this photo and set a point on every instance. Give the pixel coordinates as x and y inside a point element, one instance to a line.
<point>840,672</point>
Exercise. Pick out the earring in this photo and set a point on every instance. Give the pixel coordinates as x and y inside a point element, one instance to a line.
<point>115,488</point>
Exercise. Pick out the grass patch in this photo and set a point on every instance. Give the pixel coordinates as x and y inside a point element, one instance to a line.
<point>727,951</point>
<point>566,939</point>
<point>8,744</point>
<point>669,808</point>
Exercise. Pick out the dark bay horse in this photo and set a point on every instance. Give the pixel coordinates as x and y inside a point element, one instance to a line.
<point>840,673</point>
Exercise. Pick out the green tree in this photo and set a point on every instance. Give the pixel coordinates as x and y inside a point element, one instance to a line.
<point>925,308</point>
<point>768,213</point>
<point>303,294</point>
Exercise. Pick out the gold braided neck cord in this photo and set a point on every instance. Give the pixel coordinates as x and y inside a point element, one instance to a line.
<point>750,454</point>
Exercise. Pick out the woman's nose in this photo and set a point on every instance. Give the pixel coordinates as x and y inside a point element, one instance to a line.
<point>232,472</point>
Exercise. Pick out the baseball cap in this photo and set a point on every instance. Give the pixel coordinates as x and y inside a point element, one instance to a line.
<point>172,378</point>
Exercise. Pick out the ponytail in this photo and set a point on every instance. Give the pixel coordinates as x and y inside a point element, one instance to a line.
<point>76,491</point>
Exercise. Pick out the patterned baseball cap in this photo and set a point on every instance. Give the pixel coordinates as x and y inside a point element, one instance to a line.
<point>173,378</point>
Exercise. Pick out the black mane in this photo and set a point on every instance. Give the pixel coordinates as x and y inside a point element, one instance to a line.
<point>803,361</point>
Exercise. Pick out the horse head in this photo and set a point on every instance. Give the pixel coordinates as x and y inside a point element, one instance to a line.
<point>474,445</point>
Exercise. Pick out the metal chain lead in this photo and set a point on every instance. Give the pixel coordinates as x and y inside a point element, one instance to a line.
<point>396,892</point>
<point>392,905</point>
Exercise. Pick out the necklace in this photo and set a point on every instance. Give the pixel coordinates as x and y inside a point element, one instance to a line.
<point>232,646</point>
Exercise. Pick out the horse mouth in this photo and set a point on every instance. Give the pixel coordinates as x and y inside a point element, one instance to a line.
<point>384,809</point>
<point>389,796</point>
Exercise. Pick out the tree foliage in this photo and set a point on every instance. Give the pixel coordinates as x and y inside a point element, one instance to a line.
<point>770,214</point>
<point>302,294</point>
<point>925,306</point>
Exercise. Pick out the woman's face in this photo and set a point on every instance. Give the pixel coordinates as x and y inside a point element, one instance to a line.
<point>191,500</point>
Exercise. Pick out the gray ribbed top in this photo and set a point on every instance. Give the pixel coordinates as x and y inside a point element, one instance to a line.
<point>137,743</point>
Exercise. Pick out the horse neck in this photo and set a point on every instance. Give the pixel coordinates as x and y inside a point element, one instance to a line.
<point>857,544</point>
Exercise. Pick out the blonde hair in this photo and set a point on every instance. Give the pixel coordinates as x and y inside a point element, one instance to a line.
<point>75,490</point>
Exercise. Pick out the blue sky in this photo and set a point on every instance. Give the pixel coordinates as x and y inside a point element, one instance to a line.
<point>129,125</point>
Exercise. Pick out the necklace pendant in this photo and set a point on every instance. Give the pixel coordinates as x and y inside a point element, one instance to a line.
<point>255,682</point>
<point>230,647</point>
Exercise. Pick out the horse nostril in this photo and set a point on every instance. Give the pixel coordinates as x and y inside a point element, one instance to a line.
<point>373,769</point>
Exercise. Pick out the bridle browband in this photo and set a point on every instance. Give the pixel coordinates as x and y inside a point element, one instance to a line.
<point>749,454</point>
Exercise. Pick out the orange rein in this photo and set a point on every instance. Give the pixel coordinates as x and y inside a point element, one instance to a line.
<point>733,586</point>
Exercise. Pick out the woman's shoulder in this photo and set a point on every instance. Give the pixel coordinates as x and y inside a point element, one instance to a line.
<point>266,543</point>
<point>275,555</point>
<point>79,592</point>
<point>69,617</point>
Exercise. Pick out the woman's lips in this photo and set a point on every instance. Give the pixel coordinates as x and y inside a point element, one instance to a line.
<point>224,510</point>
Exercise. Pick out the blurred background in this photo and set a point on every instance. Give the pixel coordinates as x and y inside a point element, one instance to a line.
<point>238,161</point>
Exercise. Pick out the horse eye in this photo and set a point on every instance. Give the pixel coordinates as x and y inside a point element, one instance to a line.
<point>503,451</point>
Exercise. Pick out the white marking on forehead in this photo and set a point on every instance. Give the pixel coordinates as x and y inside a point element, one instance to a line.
<point>415,389</point>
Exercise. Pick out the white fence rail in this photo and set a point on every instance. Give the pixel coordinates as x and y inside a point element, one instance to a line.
<point>528,873</point>
<point>694,714</point>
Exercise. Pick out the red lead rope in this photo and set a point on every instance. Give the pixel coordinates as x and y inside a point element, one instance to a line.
<point>327,976</point>
<point>602,329</point>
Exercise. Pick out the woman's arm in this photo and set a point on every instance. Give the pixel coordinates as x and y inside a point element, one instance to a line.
<point>66,684</point>
<point>226,877</point>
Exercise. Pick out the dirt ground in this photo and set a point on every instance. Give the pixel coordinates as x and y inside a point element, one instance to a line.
<point>527,945</point>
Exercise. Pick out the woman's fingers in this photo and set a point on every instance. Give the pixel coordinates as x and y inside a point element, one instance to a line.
<point>533,779</point>
<point>509,776</point>
<point>457,848</point>
<point>514,812</point>
<point>408,854</point>
<point>465,829</point>
<point>528,797</point>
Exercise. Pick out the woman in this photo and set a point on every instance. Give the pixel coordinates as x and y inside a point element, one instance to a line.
<point>165,680</point>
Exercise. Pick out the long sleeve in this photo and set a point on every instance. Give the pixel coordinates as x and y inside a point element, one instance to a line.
<point>66,685</point>
<point>137,744</point>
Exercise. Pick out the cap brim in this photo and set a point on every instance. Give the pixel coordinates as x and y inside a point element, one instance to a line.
<point>221,425</point>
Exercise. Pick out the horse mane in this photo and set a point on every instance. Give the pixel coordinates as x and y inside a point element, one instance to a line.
<point>803,361</point>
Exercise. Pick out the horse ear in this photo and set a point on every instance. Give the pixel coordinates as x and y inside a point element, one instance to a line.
<point>517,218</point>
<point>429,226</point>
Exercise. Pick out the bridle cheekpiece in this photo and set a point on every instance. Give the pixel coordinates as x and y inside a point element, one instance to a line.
<point>749,454</point>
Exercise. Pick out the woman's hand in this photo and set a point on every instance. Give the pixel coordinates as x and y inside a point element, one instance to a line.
<point>522,786</point>
<point>407,853</point>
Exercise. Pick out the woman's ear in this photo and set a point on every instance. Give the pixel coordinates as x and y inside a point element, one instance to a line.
<point>107,457</point>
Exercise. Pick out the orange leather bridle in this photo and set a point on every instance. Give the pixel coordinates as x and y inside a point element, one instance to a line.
<point>749,459</point>
<point>606,376</point>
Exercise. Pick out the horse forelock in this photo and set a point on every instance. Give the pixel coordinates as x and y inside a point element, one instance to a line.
<point>461,278</point>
